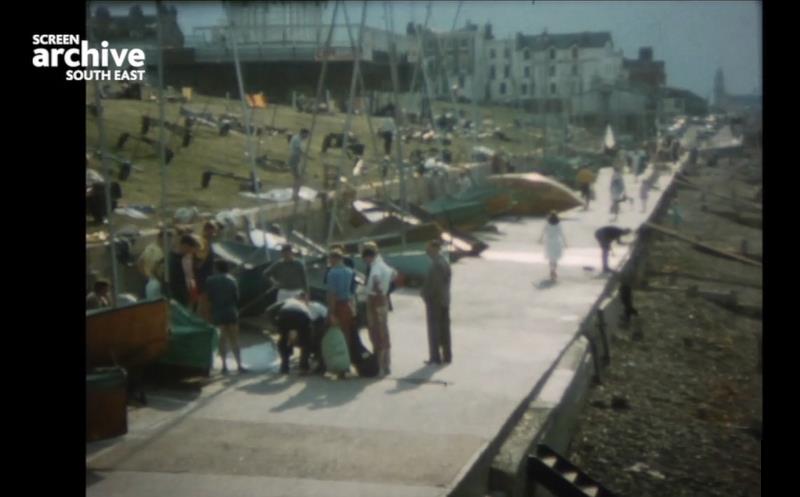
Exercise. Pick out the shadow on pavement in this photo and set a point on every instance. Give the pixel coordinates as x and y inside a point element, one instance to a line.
<point>545,284</point>
<point>323,393</point>
<point>420,377</point>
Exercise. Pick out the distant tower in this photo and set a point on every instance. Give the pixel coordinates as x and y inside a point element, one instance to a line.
<point>719,88</point>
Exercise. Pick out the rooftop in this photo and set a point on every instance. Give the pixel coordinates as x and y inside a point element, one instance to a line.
<point>564,41</point>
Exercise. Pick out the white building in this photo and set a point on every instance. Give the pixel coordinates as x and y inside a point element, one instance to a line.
<point>542,72</point>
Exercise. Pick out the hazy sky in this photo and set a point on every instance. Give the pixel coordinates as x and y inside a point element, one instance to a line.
<point>694,38</point>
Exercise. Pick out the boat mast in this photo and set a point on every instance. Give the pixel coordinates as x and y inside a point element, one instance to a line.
<point>105,165</point>
<point>349,118</point>
<point>247,115</point>
<point>304,158</point>
<point>363,88</point>
<point>397,114</point>
<point>162,159</point>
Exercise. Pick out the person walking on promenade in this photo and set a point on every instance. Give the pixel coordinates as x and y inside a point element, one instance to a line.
<point>617,192</point>
<point>377,287</point>
<point>288,274</point>
<point>436,294</point>
<point>340,296</point>
<point>605,236</point>
<point>223,298</point>
<point>554,240</point>
<point>585,178</point>
<point>644,193</point>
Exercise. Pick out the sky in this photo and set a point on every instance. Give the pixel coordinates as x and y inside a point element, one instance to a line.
<point>693,38</point>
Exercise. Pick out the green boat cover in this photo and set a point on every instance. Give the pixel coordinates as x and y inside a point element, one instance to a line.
<point>192,340</point>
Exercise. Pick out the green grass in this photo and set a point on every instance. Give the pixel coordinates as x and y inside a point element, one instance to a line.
<point>227,154</point>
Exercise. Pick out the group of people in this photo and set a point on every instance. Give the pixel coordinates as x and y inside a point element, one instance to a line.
<point>552,235</point>
<point>310,321</point>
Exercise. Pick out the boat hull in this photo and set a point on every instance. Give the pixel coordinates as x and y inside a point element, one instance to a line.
<point>536,195</point>
<point>132,336</point>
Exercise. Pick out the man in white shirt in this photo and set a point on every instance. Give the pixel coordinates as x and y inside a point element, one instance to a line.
<point>377,287</point>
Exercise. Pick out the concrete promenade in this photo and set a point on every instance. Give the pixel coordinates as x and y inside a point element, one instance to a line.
<point>415,433</point>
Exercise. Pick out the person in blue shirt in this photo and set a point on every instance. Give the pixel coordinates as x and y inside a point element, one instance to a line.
<point>223,297</point>
<point>340,295</point>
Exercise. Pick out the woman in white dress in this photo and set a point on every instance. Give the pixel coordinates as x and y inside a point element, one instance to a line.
<point>555,242</point>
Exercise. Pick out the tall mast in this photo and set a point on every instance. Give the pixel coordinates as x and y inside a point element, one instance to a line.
<point>162,159</point>
<point>247,115</point>
<point>397,114</point>
<point>349,118</point>
<point>106,168</point>
<point>317,98</point>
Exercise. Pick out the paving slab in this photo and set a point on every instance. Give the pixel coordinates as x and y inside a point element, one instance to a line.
<point>417,432</point>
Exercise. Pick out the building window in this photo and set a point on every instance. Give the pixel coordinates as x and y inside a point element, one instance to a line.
<point>491,53</point>
<point>575,52</point>
<point>507,53</point>
<point>552,88</point>
<point>527,71</point>
<point>502,88</point>
<point>464,42</point>
<point>491,72</point>
<point>552,53</point>
<point>552,70</point>
<point>527,54</point>
<point>507,71</point>
<point>461,81</point>
<point>574,70</point>
<point>524,89</point>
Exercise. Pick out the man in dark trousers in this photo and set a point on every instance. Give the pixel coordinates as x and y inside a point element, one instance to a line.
<point>223,297</point>
<point>436,294</point>
<point>305,318</point>
<point>605,237</point>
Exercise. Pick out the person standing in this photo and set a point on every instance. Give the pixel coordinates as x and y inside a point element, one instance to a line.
<point>204,268</point>
<point>180,264</point>
<point>436,294</point>
<point>644,192</point>
<point>339,283</point>
<point>288,274</point>
<point>295,156</point>
<point>605,236</point>
<point>554,242</point>
<point>387,133</point>
<point>617,192</point>
<point>377,286</point>
<point>642,162</point>
<point>223,298</point>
